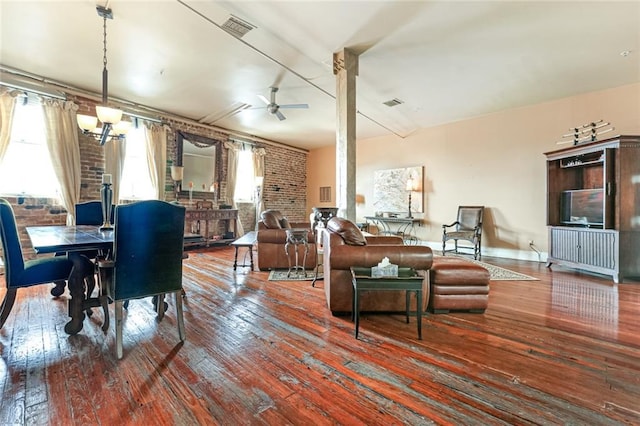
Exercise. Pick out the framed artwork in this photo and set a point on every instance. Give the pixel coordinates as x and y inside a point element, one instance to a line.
<point>390,192</point>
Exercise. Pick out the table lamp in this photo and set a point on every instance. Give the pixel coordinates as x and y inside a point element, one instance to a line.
<point>410,187</point>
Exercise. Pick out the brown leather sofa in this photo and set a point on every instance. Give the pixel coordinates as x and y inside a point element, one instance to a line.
<point>271,238</point>
<point>345,246</point>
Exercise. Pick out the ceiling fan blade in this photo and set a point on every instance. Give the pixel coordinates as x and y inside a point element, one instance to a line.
<point>295,106</point>
<point>280,115</point>
<point>265,100</point>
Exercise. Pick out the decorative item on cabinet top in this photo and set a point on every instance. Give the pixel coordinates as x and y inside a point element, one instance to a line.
<point>588,132</point>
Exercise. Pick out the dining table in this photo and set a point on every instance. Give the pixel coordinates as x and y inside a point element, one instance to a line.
<point>73,241</point>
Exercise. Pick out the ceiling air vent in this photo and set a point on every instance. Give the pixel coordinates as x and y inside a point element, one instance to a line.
<point>393,102</point>
<point>237,27</point>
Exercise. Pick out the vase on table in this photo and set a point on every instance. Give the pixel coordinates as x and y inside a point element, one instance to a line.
<point>106,198</point>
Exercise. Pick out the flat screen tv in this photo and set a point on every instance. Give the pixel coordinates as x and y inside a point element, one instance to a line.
<point>583,207</point>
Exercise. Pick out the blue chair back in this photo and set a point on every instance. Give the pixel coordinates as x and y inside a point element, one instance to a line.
<point>148,246</point>
<point>11,248</point>
<point>90,213</point>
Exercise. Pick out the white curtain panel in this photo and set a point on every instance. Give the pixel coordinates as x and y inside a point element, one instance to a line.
<point>232,170</point>
<point>7,107</point>
<point>156,139</point>
<point>62,140</point>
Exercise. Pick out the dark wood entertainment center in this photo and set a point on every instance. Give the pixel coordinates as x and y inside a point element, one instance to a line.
<point>605,236</point>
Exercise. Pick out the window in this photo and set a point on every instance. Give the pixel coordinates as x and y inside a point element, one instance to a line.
<point>26,168</point>
<point>245,185</point>
<point>135,183</point>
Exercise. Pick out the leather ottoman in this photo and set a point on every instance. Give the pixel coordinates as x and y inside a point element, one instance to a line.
<point>458,285</point>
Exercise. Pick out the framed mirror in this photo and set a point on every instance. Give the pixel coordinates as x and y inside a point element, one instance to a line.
<point>200,156</point>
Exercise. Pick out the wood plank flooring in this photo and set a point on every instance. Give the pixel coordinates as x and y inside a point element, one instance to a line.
<point>561,350</point>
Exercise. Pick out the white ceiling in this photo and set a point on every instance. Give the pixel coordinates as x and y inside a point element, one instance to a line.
<point>447,60</point>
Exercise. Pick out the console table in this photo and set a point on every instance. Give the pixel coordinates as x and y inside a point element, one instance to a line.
<point>229,216</point>
<point>404,226</point>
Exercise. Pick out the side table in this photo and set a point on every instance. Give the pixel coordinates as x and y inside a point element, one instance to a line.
<point>407,280</point>
<point>297,237</point>
<point>247,240</point>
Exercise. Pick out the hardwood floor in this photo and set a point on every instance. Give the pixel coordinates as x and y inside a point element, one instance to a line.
<point>561,350</point>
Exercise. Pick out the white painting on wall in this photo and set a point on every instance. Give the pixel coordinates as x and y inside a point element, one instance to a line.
<point>390,192</point>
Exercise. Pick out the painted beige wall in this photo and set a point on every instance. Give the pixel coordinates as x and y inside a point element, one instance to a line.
<point>495,160</point>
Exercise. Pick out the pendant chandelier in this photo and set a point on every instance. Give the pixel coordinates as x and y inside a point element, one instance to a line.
<point>113,127</point>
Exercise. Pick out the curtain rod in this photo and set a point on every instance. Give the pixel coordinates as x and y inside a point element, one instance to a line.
<point>139,109</point>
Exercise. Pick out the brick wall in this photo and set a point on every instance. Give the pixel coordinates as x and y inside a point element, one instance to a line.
<point>285,182</point>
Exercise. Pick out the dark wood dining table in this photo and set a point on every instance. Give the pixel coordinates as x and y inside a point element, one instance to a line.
<point>73,240</point>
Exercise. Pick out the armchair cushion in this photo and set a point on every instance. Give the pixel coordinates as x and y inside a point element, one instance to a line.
<point>284,223</point>
<point>347,230</point>
<point>272,219</point>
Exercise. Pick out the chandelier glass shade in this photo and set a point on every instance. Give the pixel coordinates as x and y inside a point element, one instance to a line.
<point>111,118</point>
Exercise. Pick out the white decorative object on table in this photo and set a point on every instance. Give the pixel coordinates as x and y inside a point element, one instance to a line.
<point>385,269</point>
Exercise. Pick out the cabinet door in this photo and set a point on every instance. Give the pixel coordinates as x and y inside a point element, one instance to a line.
<point>599,249</point>
<point>565,244</point>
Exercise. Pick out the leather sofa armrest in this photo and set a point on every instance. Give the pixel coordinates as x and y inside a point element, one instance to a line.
<point>278,236</point>
<point>273,236</point>
<point>417,257</point>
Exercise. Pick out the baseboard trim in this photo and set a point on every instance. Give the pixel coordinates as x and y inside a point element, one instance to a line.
<point>529,255</point>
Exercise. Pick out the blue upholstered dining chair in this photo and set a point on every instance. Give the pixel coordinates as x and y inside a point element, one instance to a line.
<point>20,273</point>
<point>87,213</point>
<point>90,213</point>
<point>146,259</point>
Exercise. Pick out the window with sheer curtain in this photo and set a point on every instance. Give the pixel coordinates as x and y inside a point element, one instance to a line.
<point>135,183</point>
<point>245,182</point>
<point>26,168</point>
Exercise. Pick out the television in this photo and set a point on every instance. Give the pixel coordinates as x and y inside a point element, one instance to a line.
<point>582,207</point>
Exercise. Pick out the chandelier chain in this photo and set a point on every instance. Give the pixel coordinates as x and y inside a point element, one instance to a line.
<point>104,41</point>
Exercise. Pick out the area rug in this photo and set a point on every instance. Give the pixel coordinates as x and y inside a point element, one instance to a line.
<point>497,273</point>
<point>281,275</point>
<point>500,274</point>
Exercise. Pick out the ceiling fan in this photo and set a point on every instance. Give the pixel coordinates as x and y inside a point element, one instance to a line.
<point>274,108</point>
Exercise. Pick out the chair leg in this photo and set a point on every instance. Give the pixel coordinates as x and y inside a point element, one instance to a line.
<point>104,302</point>
<point>118,314</point>
<point>90,285</point>
<point>179,316</point>
<point>7,305</point>
<point>159,305</point>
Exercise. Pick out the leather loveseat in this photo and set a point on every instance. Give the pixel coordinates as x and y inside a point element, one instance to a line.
<point>271,238</point>
<point>345,246</point>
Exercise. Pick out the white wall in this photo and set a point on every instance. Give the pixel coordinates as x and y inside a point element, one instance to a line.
<point>495,160</point>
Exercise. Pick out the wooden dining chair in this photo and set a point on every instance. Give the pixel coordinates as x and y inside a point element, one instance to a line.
<point>467,227</point>
<point>146,259</point>
<point>20,273</point>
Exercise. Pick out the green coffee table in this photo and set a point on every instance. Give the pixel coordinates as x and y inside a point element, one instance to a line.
<point>407,280</point>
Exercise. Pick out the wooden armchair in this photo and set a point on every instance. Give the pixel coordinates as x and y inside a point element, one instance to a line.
<point>147,258</point>
<point>467,227</point>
